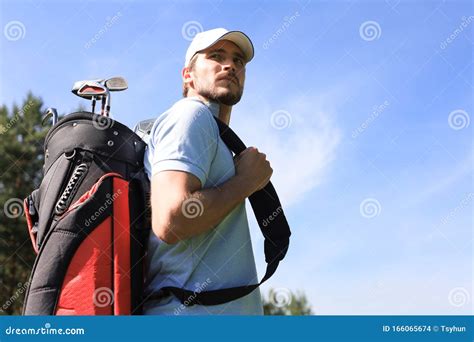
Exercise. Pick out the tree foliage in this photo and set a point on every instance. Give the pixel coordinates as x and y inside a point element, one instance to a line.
<point>21,150</point>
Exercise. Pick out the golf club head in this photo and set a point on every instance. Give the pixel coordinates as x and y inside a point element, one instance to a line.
<point>91,89</point>
<point>77,85</point>
<point>50,112</point>
<point>116,83</point>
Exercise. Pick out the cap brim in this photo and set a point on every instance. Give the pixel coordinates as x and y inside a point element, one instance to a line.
<point>242,41</point>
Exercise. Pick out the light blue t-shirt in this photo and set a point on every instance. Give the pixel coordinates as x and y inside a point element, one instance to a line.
<point>186,138</point>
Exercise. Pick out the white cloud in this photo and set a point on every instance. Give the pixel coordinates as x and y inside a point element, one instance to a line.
<point>301,153</point>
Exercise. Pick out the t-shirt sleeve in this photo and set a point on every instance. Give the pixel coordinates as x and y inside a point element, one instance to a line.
<point>186,140</point>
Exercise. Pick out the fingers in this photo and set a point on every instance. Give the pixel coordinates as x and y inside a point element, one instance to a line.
<point>255,150</point>
<point>248,149</point>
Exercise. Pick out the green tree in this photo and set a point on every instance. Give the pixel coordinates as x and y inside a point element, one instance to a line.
<point>283,302</point>
<point>21,160</point>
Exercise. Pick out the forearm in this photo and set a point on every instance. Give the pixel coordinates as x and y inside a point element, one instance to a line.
<point>206,208</point>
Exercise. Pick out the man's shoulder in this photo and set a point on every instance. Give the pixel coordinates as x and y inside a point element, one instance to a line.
<point>190,107</point>
<point>184,116</point>
<point>188,113</point>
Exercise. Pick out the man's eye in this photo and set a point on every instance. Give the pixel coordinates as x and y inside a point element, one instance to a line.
<point>238,61</point>
<point>215,56</point>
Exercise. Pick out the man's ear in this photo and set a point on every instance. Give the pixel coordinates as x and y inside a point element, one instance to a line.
<point>186,74</point>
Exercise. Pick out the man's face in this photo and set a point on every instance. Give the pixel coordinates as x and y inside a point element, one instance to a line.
<point>219,73</point>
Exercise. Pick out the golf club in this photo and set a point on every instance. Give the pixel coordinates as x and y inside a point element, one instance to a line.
<point>91,90</point>
<point>77,85</point>
<point>95,89</point>
<point>117,83</point>
<point>99,89</point>
<point>50,112</point>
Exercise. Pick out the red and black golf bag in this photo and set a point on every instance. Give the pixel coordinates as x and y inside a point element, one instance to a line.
<point>88,220</point>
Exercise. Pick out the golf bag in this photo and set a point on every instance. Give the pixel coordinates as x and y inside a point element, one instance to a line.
<point>88,220</point>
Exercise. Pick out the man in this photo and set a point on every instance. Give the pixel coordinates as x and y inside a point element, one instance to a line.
<point>201,237</point>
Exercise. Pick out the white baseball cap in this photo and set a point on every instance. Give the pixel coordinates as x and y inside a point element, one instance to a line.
<point>204,39</point>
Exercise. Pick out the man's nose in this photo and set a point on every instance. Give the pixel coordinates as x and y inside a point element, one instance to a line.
<point>229,64</point>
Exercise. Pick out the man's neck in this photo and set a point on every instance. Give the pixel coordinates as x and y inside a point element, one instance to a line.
<point>224,113</point>
<point>224,110</point>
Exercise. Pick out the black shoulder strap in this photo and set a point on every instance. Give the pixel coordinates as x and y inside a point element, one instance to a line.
<point>273,224</point>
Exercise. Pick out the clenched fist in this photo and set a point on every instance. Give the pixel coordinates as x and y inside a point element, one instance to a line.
<point>253,169</point>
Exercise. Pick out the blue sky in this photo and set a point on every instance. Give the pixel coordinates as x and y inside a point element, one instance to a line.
<point>363,108</point>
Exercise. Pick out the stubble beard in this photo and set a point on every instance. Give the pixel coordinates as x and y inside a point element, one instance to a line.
<point>229,98</point>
